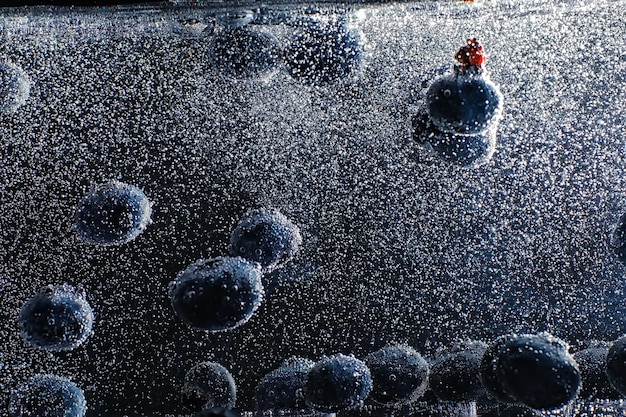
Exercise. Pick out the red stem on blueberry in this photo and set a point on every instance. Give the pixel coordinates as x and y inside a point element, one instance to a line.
<point>471,55</point>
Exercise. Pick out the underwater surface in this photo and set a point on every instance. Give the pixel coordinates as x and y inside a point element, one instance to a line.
<point>399,243</point>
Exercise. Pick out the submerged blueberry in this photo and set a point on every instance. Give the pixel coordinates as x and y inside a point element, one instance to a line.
<point>47,396</point>
<point>464,101</point>
<point>267,237</point>
<point>208,385</point>
<point>283,388</point>
<point>217,294</point>
<point>464,104</point>
<point>14,87</point>
<point>489,372</point>
<point>338,382</point>
<point>616,365</point>
<point>112,214</point>
<point>243,53</point>
<point>399,375</point>
<point>463,150</point>
<point>57,318</point>
<point>535,370</point>
<point>592,363</point>
<point>323,52</point>
<point>455,376</point>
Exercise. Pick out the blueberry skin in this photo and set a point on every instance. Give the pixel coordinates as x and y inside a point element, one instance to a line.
<point>283,388</point>
<point>592,363</point>
<point>616,365</point>
<point>337,382</point>
<point>209,385</point>
<point>455,376</point>
<point>463,150</point>
<point>321,53</point>
<point>618,239</point>
<point>217,294</point>
<point>465,104</point>
<point>399,375</point>
<point>14,87</point>
<point>243,53</point>
<point>57,318</point>
<point>267,237</point>
<point>489,371</point>
<point>47,396</point>
<point>112,214</point>
<point>537,371</point>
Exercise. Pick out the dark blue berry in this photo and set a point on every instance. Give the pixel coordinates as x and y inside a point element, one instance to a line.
<point>536,370</point>
<point>463,103</point>
<point>338,382</point>
<point>283,388</point>
<point>112,214</point>
<point>616,365</point>
<point>399,375</point>
<point>14,87</point>
<point>267,237</point>
<point>455,376</point>
<point>57,318</point>
<point>244,53</point>
<point>323,52</point>
<point>592,363</point>
<point>47,396</point>
<point>217,294</point>
<point>463,150</point>
<point>208,385</point>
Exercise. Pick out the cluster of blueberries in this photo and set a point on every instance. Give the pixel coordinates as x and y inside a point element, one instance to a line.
<point>523,371</point>
<point>213,295</point>
<point>461,110</point>
<point>321,51</point>
<point>534,371</point>
<point>458,122</point>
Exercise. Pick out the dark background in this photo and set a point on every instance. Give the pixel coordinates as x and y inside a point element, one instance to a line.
<point>399,246</point>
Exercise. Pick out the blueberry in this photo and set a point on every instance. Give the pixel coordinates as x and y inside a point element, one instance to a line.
<point>536,370</point>
<point>616,365</point>
<point>455,376</point>
<point>466,104</point>
<point>57,318</point>
<point>489,374</point>
<point>593,369</point>
<point>47,396</point>
<point>337,382</point>
<point>14,87</point>
<point>208,385</point>
<point>618,239</point>
<point>283,388</point>
<point>112,214</point>
<point>399,375</point>
<point>267,237</point>
<point>323,52</point>
<point>217,294</point>
<point>244,53</point>
<point>463,150</point>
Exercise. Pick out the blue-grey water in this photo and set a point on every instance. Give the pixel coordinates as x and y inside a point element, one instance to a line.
<point>398,245</point>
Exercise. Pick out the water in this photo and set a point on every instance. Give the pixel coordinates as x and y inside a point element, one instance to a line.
<point>398,245</point>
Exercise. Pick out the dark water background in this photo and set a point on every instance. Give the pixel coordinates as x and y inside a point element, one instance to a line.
<point>398,245</point>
